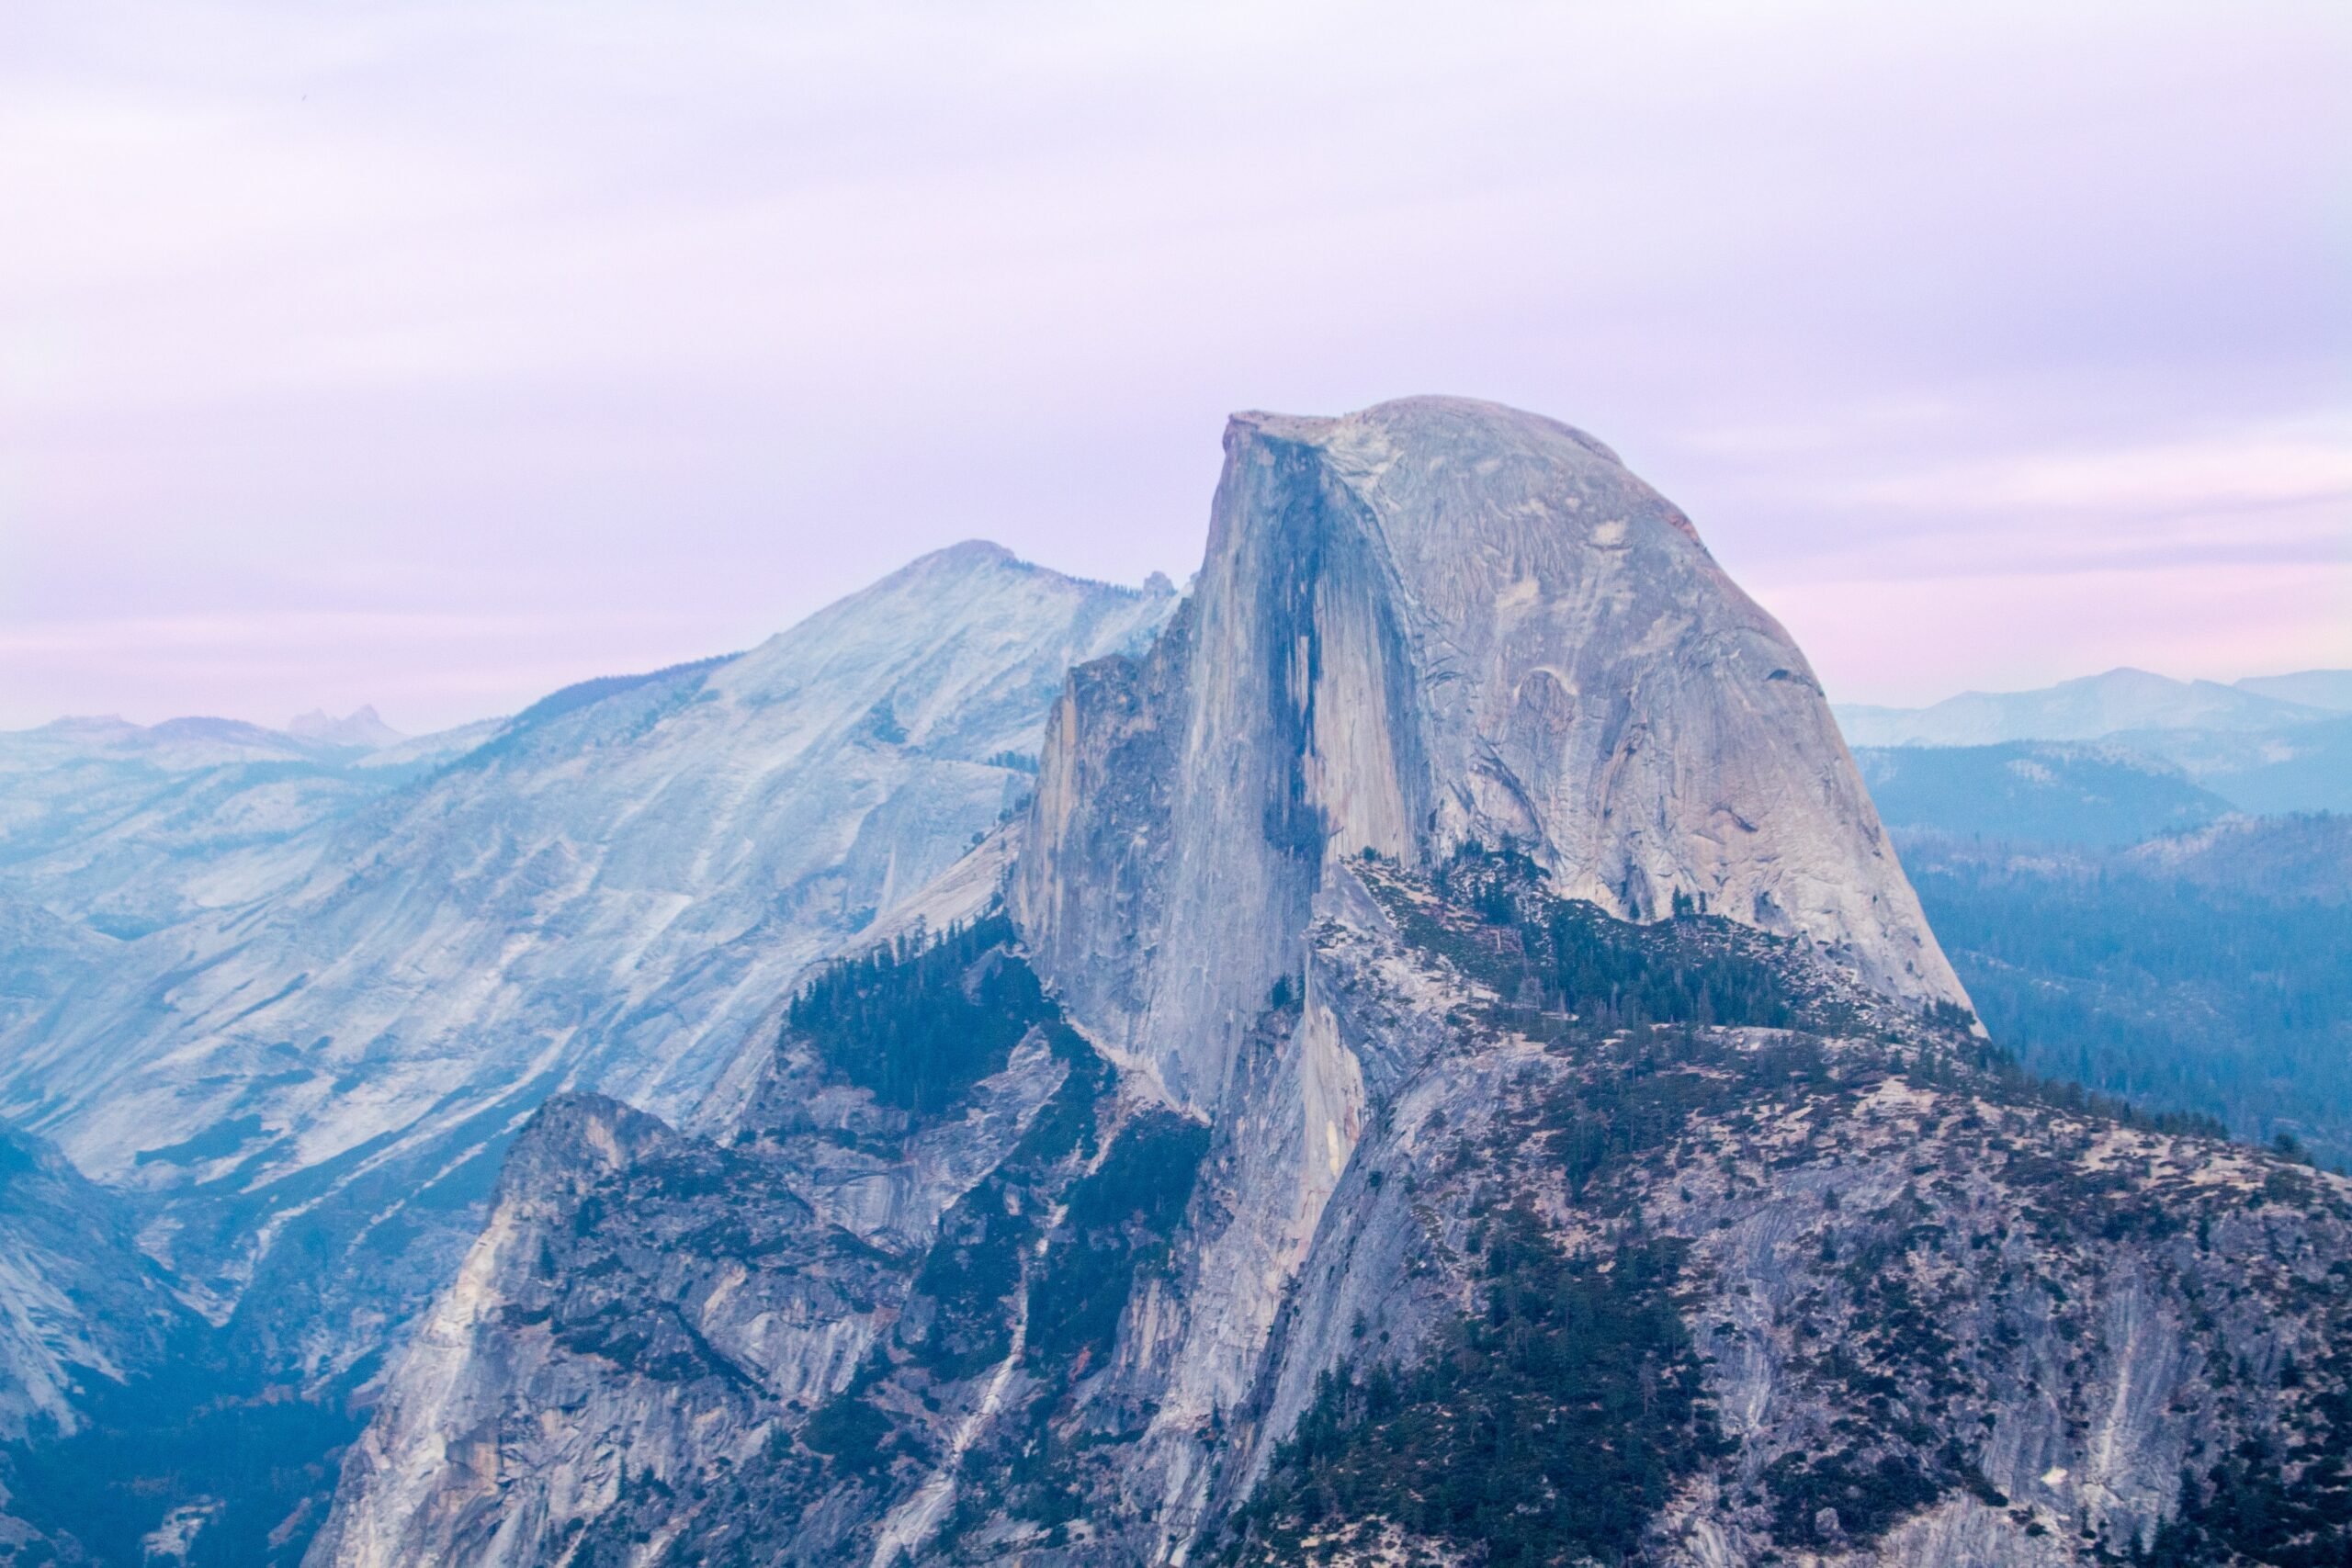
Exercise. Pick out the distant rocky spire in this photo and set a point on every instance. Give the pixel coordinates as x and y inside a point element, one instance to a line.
<point>361,727</point>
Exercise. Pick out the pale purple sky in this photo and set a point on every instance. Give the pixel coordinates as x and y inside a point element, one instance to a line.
<point>437,355</point>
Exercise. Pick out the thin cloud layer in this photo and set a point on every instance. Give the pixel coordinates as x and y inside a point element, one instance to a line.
<point>443,354</point>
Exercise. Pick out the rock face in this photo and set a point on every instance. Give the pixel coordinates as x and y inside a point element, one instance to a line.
<point>1310,1165</point>
<point>1432,624</point>
<point>300,1071</point>
<point>82,1312</point>
<point>77,1300</point>
<point>1480,1263</point>
<point>611,893</point>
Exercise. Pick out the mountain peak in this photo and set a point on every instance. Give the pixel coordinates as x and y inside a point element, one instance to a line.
<point>361,727</point>
<point>1429,626</point>
<point>978,562</point>
<point>967,553</point>
<point>1432,422</point>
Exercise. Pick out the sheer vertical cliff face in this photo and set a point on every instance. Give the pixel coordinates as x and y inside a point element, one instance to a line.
<point>1435,623</point>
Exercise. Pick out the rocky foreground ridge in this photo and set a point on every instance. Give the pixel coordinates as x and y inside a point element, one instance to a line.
<point>1456,1076</point>
<point>1565,1282</point>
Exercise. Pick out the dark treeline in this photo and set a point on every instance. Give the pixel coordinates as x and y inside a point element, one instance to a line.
<point>1548,1427</point>
<point>919,1020</point>
<point>1560,956</point>
<point>1995,1070</point>
<point>204,1425</point>
<point>2159,990</point>
<point>1593,967</point>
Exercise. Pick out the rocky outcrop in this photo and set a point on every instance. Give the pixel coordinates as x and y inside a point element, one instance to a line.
<point>1501,1252</point>
<point>539,1385</point>
<point>82,1314</point>
<point>1432,624</point>
<point>1488,1103</point>
<point>612,893</point>
<point>649,1317</point>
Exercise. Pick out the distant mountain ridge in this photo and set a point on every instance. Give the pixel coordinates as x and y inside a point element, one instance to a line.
<point>362,726</point>
<point>288,999</point>
<point>2265,744</point>
<point>2035,792</point>
<point>2330,689</point>
<point>2090,707</point>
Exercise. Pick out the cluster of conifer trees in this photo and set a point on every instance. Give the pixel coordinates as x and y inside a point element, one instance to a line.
<point>2176,996</point>
<point>920,1020</point>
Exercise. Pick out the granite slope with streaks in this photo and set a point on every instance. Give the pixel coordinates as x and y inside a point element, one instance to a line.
<point>77,1300</point>
<point>614,892</point>
<point>124,828</point>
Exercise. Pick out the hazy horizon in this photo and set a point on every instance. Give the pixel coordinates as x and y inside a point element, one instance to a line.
<point>1183,586</point>
<point>434,358</point>
<point>281,721</point>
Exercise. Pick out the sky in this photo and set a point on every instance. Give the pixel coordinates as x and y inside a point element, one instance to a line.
<point>435,355</point>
